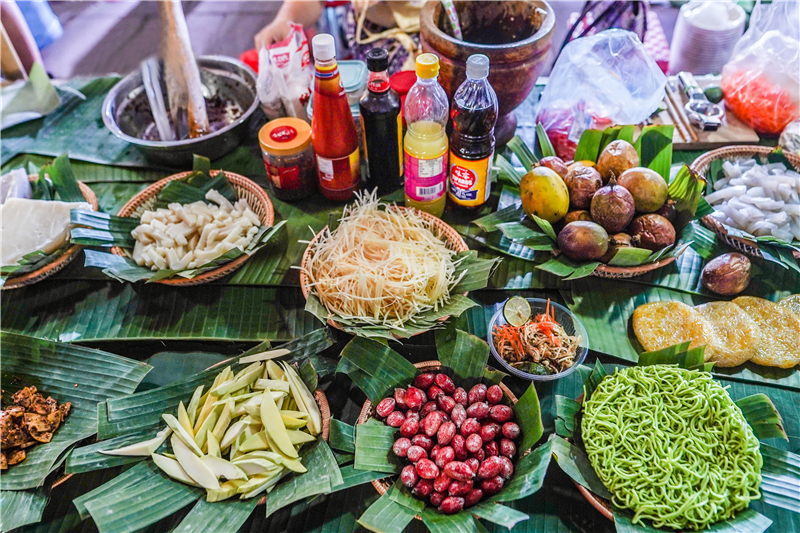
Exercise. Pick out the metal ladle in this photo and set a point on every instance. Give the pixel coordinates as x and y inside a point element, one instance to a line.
<point>701,112</point>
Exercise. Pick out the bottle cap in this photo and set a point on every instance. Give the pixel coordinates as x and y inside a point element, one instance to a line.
<point>477,66</point>
<point>427,66</point>
<point>324,47</point>
<point>377,60</point>
<point>284,136</point>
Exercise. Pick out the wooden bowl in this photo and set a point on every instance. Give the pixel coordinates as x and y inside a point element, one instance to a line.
<point>451,238</point>
<point>368,409</point>
<point>245,188</point>
<point>65,258</point>
<point>702,164</point>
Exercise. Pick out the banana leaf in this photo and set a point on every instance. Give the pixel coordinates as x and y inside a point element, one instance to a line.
<point>654,145</point>
<point>566,416</point>
<point>400,494</point>
<point>436,522</point>
<point>492,221</point>
<point>342,436</point>
<point>352,477</point>
<point>568,269</point>
<point>88,458</point>
<point>592,378</point>
<point>21,507</point>
<point>227,518</point>
<point>528,415</point>
<point>30,262</point>
<point>679,354</point>
<point>69,374</point>
<point>506,171</point>
<point>747,521</point>
<point>545,147</point>
<point>523,153</point>
<point>780,477</point>
<point>499,514</point>
<point>466,355</point>
<point>373,448</point>
<point>762,415</point>
<point>116,485</point>
<point>379,368</point>
<point>573,461</point>
<point>528,475</point>
<point>386,516</point>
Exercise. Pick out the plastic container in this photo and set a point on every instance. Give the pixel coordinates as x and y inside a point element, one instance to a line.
<point>289,158</point>
<point>563,316</point>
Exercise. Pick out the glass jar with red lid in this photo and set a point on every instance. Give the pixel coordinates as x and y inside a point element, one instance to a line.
<point>289,158</point>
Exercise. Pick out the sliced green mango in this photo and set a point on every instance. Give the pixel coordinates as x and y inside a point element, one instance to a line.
<point>212,445</point>
<point>243,381</point>
<point>304,399</point>
<point>194,404</point>
<point>267,486</point>
<point>226,490</point>
<point>183,419</point>
<point>222,468</point>
<point>144,448</point>
<point>276,458</point>
<point>254,467</point>
<point>208,424</point>
<point>273,425</point>
<point>187,439</point>
<point>271,384</point>
<point>300,437</point>
<point>274,370</point>
<point>232,432</point>
<point>224,420</point>
<point>193,465</point>
<point>293,423</point>
<point>294,414</point>
<point>258,441</point>
<point>173,469</point>
<point>264,356</point>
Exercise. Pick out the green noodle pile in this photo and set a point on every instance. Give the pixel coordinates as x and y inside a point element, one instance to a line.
<point>670,445</point>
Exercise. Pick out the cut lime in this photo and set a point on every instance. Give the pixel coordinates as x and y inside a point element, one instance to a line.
<point>517,311</point>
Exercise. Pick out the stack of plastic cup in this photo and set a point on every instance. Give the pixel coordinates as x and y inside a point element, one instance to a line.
<point>705,35</point>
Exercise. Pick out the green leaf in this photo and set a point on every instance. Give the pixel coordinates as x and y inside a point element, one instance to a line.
<point>528,475</point>
<point>519,231</point>
<point>529,417</point>
<point>779,478</point>
<point>342,436</point>
<point>630,256</point>
<point>353,477</point>
<point>466,355</point>
<point>593,379</point>
<point>492,221</point>
<point>747,521</point>
<point>506,171</point>
<point>523,153</point>
<point>68,373</point>
<point>102,221</point>
<point>308,374</point>
<point>686,190</point>
<point>762,415</point>
<point>21,507</point>
<point>546,227</point>
<point>384,368</point>
<point>499,514</point>
<point>64,182</point>
<point>400,494</point>
<point>386,516</point>
<point>545,146</point>
<point>678,354</point>
<point>202,165</point>
<point>566,416</point>
<point>654,146</point>
<point>564,267</point>
<point>437,522</point>
<point>589,148</point>
<point>373,448</point>
<point>576,465</point>
<point>703,209</point>
<point>226,518</point>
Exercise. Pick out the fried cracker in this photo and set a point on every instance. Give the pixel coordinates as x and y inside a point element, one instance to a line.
<point>780,332</point>
<point>736,335</point>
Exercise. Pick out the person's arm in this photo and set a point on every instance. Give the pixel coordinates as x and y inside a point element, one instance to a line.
<point>305,12</point>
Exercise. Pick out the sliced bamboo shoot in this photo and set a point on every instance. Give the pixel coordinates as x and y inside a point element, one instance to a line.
<point>194,404</point>
<point>223,468</point>
<point>173,469</point>
<point>193,465</point>
<point>142,449</point>
<point>264,356</point>
<point>183,419</point>
<point>225,490</point>
<point>271,384</point>
<point>187,439</point>
<point>273,425</point>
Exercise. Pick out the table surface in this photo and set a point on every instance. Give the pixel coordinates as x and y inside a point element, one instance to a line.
<point>181,331</point>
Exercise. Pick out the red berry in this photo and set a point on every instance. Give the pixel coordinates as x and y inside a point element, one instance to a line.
<point>412,415</point>
<point>395,419</point>
<point>473,497</point>
<point>401,446</point>
<point>488,432</point>
<point>491,448</point>
<point>423,381</point>
<point>423,488</point>
<point>435,451</point>
<point>385,407</point>
<point>445,382</point>
<point>480,455</point>
<point>408,476</point>
<point>507,448</point>
<point>444,456</point>
<point>510,430</point>
<point>451,505</point>
<point>427,469</point>
<point>430,424</point>
<point>473,463</point>
<point>414,398</point>
<point>415,453</point>
<point>437,498</point>
<point>490,468</point>
<point>492,485</point>
<point>501,413</point>
<point>478,410</point>
<point>400,398</point>
<point>422,441</point>
<point>409,428</point>
<point>508,467</point>
<point>458,415</point>
<point>474,443</point>
<point>441,482</point>
<point>459,488</point>
<point>494,394</point>
<point>446,433</point>
<point>446,403</point>
<point>427,408</point>
<point>459,444</point>
<point>477,393</point>
<point>459,471</point>
<point>470,426</point>
<point>434,392</point>
<point>461,397</point>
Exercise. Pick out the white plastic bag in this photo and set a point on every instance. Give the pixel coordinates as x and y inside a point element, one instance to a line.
<point>598,81</point>
<point>761,83</point>
<point>285,76</point>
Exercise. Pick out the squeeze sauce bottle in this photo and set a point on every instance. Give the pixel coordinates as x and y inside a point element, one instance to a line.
<point>333,132</point>
<point>425,145</point>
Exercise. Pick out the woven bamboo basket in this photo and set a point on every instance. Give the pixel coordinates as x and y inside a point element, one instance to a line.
<point>450,236</point>
<point>601,504</point>
<point>244,187</point>
<point>368,410</point>
<point>618,272</point>
<point>65,258</point>
<point>702,164</point>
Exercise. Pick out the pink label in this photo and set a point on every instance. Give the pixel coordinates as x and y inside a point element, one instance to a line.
<point>426,179</point>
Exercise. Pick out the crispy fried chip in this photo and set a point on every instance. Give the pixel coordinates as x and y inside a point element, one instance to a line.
<point>661,324</point>
<point>792,303</point>
<point>780,332</point>
<point>736,335</point>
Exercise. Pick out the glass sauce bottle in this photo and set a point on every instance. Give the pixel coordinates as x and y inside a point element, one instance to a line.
<point>474,114</point>
<point>425,144</point>
<point>333,132</point>
<point>382,126</point>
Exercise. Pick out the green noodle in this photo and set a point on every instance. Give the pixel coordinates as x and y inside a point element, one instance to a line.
<point>671,446</point>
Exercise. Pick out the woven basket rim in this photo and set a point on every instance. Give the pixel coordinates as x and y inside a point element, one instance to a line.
<point>65,259</point>
<point>602,505</point>
<point>236,180</point>
<point>453,240</point>
<point>382,485</point>
<point>701,166</point>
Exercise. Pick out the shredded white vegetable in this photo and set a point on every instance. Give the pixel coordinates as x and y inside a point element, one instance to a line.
<point>382,265</point>
<point>189,236</point>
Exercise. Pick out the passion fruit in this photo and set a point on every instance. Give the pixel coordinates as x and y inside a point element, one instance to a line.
<point>667,210</point>
<point>613,207</point>
<point>582,183</point>
<point>556,164</point>
<point>583,241</point>
<point>615,242</point>
<point>580,214</point>
<point>652,232</point>
<point>648,188</point>
<point>616,158</point>
<point>544,194</point>
<point>727,274</point>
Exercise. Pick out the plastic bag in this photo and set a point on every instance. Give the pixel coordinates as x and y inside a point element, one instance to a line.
<point>598,81</point>
<point>790,138</point>
<point>285,76</point>
<point>762,81</point>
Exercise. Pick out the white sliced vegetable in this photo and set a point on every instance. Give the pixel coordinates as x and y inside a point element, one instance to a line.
<point>142,449</point>
<point>222,468</point>
<point>239,383</point>
<point>253,467</point>
<point>233,432</point>
<point>213,445</point>
<point>271,384</point>
<point>173,469</point>
<point>276,458</point>
<point>226,490</point>
<point>273,426</point>
<point>263,356</point>
<point>193,465</point>
<point>299,437</point>
<point>274,370</point>
<point>183,419</point>
<point>224,420</point>
<point>257,441</point>
<point>187,439</point>
<point>304,399</point>
<point>208,424</point>
<point>194,405</point>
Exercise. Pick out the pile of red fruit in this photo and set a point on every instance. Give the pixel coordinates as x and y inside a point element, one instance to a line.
<point>460,444</point>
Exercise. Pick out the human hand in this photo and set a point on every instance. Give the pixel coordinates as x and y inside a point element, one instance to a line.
<point>274,32</point>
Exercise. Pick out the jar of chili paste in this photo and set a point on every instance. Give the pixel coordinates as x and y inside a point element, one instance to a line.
<point>289,158</point>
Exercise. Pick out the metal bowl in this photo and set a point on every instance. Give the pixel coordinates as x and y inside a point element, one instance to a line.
<point>127,114</point>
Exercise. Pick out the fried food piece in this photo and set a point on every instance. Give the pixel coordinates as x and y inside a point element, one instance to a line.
<point>24,397</point>
<point>661,324</point>
<point>780,332</point>
<point>30,420</point>
<point>792,303</point>
<point>736,335</point>
<point>18,455</point>
<point>3,461</point>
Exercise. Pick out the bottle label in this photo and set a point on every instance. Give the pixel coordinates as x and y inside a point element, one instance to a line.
<point>400,151</point>
<point>341,173</point>
<point>284,178</point>
<point>425,178</point>
<point>469,180</point>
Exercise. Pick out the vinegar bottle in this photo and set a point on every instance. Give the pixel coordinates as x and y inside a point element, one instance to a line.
<point>425,143</point>
<point>382,125</point>
<point>333,133</point>
<point>474,114</point>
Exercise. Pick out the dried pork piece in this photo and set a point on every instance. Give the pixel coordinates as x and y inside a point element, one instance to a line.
<point>43,406</point>
<point>16,456</point>
<point>30,420</point>
<point>24,397</point>
<point>38,427</point>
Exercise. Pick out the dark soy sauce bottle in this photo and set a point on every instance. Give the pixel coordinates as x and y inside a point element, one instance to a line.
<point>382,125</point>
